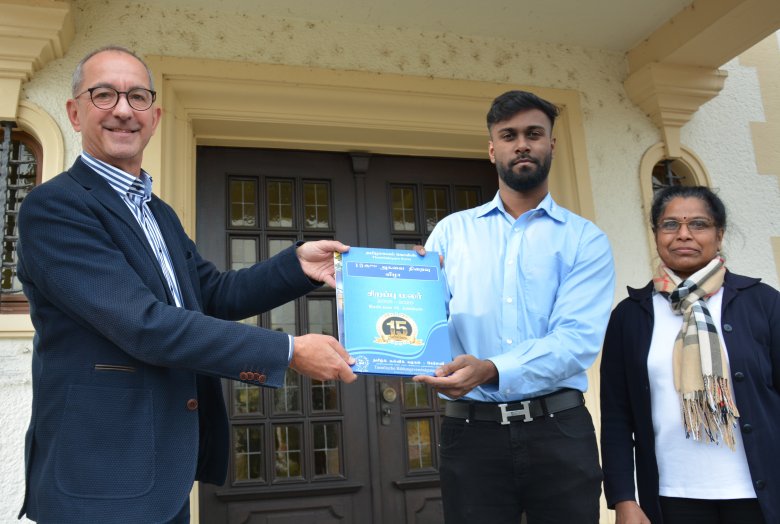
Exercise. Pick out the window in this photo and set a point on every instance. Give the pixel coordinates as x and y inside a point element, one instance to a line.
<point>668,173</point>
<point>416,209</point>
<point>20,170</point>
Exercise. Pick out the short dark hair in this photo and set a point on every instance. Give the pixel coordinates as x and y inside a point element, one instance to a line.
<point>78,73</point>
<point>715,206</point>
<point>510,103</point>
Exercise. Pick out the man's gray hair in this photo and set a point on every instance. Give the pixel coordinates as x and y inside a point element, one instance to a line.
<point>78,74</point>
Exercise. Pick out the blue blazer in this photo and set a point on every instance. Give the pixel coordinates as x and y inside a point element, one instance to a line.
<point>750,324</point>
<point>127,404</point>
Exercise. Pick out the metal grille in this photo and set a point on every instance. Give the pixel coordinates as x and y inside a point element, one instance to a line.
<point>664,176</point>
<point>18,167</point>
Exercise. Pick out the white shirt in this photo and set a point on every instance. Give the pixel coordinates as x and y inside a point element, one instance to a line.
<point>688,468</point>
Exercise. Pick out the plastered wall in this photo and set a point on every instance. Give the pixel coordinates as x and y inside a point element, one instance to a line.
<point>721,133</point>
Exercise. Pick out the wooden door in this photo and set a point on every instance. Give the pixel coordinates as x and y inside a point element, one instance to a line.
<point>317,451</point>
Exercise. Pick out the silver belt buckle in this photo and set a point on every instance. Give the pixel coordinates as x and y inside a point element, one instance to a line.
<point>526,412</point>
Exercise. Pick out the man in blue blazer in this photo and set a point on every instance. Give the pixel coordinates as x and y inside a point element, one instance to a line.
<point>133,328</point>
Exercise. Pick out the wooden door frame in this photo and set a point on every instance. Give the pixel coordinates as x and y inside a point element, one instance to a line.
<point>240,104</point>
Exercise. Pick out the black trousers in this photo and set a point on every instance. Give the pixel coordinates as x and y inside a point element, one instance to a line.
<point>547,468</point>
<point>697,511</point>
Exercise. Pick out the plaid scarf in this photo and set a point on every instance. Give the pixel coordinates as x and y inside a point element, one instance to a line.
<point>700,369</point>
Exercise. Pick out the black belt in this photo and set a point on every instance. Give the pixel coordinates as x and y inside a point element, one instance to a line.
<point>525,410</point>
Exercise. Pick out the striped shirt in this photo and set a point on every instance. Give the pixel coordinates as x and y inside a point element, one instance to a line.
<point>136,193</point>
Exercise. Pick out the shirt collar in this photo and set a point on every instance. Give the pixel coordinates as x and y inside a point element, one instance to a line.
<point>123,182</point>
<point>547,205</point>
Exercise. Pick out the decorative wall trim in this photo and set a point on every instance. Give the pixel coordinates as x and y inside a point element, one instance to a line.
<point>31,35</point>
<point>765,57</point>
<point>210,102</point>
<point>671,94</point>
<point>708,33</point>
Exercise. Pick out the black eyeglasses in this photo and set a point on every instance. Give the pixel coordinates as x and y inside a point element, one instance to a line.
<point>104,97</point>
<point>694,225</point>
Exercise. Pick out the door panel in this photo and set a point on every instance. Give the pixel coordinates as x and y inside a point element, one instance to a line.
<point>321,451</point>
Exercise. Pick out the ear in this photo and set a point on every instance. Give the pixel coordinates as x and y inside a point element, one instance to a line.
<point>156,117</point>
<point>552,146</point>
<point>719,237</point>
<point>72,108</point>
<point>491,152</point>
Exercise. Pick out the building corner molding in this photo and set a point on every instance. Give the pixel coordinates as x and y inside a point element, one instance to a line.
<point>31,35</point>
<point>670,94</point>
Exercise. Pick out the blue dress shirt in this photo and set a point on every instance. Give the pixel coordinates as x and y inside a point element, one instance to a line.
<point>533,295</point>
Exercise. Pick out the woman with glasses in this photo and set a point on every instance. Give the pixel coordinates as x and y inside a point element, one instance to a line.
<point>690,381</point>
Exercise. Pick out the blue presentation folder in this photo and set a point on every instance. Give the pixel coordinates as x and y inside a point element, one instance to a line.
<point>391,311</point>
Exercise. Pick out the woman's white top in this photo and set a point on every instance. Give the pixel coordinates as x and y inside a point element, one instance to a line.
<point>688,468</point>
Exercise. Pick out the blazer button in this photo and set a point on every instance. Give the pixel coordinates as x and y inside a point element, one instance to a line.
<point>727,328</point>
<point>739,376</point>
<point>243,375</point>
<point>760,484</point>
<point>192,404</point>
<point>747,428</point>
<point>259,377</point>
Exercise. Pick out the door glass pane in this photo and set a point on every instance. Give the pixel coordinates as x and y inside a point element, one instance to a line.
<point>316,205</point>
<point>247,399</point>
<point>324,395</point>
<point>280,203</point>
<point>466,198</point>
<point>418,443</point>
<point>320,316</point>
<point>404,215</point>
<point>436,206</point>
<point>243,203</point>
<point>415,395</point>
<point>243,252</point>
<point>248,452</point>
<point>327,449</point>
<point>287,399</point>
<point>406,245</point>
<point>276,245</point>
<point>283,318</point>
<point>288,451</point>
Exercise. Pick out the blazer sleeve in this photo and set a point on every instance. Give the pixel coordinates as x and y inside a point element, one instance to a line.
<point>238,294</point>
<point>774,343</point>
<point>83,265</point>
<point>617,419</point>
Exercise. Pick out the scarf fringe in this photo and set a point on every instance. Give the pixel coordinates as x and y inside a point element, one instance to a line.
<point>711,412</point>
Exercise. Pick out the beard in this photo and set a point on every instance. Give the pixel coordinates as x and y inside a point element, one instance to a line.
<point>530,176</point>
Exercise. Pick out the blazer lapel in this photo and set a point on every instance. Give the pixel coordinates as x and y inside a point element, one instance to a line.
<point>108,197</point>
<point>172,237</point>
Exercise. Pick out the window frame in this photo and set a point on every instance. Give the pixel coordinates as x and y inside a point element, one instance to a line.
<point>14,304</point>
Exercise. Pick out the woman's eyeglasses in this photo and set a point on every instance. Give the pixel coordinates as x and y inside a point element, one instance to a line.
<point>694,225</point>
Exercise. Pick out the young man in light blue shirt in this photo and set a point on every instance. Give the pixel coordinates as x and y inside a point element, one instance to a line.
<point>530,291</point>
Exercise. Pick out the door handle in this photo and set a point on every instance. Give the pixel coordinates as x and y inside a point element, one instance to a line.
<point>388,395</point>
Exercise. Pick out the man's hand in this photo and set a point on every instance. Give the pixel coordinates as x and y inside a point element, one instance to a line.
<point>322,357</point>
<point>629,512</point>
<point>460,376</point>
<point>421,251</point>
<point>317,259</point>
